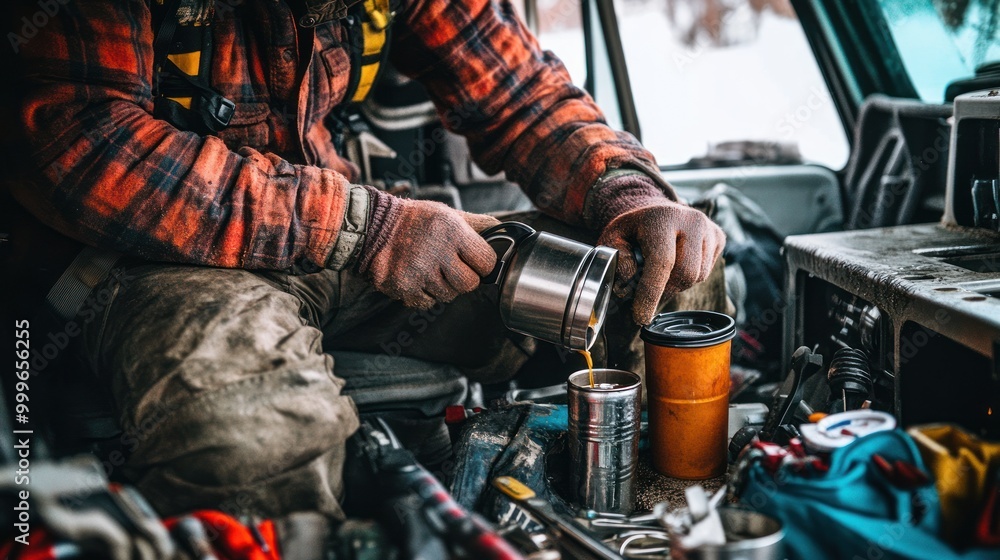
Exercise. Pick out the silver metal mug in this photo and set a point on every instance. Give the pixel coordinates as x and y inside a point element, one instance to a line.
<point>551,288</point>
<point>604,439</point>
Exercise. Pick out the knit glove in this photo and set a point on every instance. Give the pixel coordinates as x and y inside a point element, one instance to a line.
<point>423,252</point>
<point>679,244</point>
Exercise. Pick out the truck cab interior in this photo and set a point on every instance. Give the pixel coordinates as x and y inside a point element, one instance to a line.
<point>829,118</point>
<point>851,153</point>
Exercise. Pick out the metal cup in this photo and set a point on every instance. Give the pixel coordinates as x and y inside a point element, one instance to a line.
<point>604,439</point>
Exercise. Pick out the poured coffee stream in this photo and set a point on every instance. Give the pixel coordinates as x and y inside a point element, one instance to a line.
<point>590,370</point>
<point>590,364</point>
<point>586,353</point>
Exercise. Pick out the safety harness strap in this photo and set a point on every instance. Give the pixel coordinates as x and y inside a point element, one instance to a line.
<point>182,58</point>
<point>375,29</point>
<point>165,32</point>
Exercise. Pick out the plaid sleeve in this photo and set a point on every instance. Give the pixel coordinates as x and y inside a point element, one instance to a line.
<point>514,102</point>
<point>101,169</point>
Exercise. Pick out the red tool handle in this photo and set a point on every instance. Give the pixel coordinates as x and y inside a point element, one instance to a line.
<point>988,526</point>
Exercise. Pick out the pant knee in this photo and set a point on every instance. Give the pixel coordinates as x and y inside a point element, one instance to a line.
<point>272,445</point>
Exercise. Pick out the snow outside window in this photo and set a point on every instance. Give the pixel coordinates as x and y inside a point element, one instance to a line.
<point>710,71</point>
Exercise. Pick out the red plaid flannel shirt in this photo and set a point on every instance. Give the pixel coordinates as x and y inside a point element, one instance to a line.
<point>270,191</point>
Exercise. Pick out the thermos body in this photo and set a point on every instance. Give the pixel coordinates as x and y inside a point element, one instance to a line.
<point>551,288</point>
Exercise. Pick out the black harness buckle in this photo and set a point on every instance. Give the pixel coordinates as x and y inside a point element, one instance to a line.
<point>217,111</point>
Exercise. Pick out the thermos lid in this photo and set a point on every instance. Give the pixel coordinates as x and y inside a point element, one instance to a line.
<point>689,329</point>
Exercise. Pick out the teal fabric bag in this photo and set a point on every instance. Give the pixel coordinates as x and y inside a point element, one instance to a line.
<point>853,512</point>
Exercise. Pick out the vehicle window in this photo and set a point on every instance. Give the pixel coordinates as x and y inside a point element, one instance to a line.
<point>943,40</point>
<point>705,72</point>
<point>560,30</point>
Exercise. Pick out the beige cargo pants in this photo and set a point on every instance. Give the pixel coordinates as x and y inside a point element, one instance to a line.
<point>229,397</point>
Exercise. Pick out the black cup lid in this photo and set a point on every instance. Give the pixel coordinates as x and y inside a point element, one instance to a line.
<point>689,329</point>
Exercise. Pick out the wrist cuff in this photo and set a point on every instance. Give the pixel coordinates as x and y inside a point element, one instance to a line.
<point>617,192</point>
<point>383,213</point>
<point>352,232</point>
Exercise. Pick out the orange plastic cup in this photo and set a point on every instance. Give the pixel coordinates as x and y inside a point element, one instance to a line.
<point>687,390</point>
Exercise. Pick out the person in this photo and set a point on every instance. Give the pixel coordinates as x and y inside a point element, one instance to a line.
<point>251,252</point>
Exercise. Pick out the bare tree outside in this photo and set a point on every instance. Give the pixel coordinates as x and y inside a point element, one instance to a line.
<point>956,14</point>
<point>709,72</point>
<point>707,21</point>
<point>710,20</point>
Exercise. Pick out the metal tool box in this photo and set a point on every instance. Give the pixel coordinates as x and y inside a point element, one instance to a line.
<point>922,300</point>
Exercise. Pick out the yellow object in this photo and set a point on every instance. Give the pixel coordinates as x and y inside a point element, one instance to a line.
<point>368,74</point>
<point>183,101</point>
<point>816,417</point>
<point>374,32</point>
<point>590,364</point>
<point>688,393</point>
<point>513,488</point>
<point>190,64</point>
<point>379,20</point>
<point>964,468</point>
<point>586,353</point>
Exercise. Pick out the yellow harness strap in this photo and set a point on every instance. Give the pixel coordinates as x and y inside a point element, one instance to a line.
<point>375,26</point>
<point>189,63</point>
<point>374,31</point>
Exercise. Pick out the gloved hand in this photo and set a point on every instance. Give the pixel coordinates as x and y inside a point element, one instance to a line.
<point>423,252</point>
<point>679,244</point>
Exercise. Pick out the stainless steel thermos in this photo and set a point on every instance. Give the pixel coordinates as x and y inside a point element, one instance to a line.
<point>604,439</point>
<point>551,288</point>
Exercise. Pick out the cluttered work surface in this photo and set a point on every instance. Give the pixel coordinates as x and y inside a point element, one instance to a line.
<point>777,501</point>
<point>819,473</point>
<point>653,488</point>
